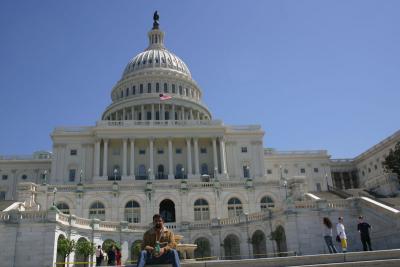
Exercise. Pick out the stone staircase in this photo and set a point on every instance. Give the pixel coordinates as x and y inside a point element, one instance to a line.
<point>381,258</point>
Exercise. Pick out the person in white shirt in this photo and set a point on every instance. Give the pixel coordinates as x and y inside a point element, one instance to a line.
<point>342,234</point>
<point>99,255</point>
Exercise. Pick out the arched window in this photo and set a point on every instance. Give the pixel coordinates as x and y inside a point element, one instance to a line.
<point>232,247</point>
<point>201,210</point>
<point>203,249</point>
<point>63,207</point>
<point>235,207</point>
<point>267,203</point>
<point>97,210</point>
<point>204,168</point>
<point>258,241</point>
<point>132,212</point>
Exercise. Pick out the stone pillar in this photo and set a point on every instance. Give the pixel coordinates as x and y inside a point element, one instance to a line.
<point>123,114</point>
<point>152,112</point>
<point>189,158</point>
<point>105,158</point>
<point>151,152</point>
<point>124,157</point>
<point>133,113</point>
<point>170,160</point>
<point>183,113</point>
<point>196,158</point>
<point>162,113</point>
<point>223,157</point>
<point>142,111</point>
<point>173,112</point>
<point>215,168</point>
<point>191,114</point>
<point>342,181</point>
<point>132,159</point>
<point>351,180</point>
<point>97,158</point>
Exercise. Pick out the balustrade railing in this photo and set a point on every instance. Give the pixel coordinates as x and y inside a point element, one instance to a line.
<point>158,123</point>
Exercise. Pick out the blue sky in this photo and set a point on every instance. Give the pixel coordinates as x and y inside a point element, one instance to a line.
<point>314,74</point>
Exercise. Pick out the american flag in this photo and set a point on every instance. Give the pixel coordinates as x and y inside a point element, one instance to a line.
<point>165,97</point>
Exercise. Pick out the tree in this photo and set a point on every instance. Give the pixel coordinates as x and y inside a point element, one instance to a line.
<point>65,247</point>
<point>392,161</point>
<point>85,248</point>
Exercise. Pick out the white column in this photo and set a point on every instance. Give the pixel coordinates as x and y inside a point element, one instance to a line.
<point>151,150</point>
<point>142,111</point>
<point>189,158</point>
<point>123,114</point>
<point>173,112</point>
<point>162,115</point>
<point>124,157</point>
<point>191,114</point>
<point>214,143</point>
<point>97,159</point>
<point>170,160</point>
<point>196,157</point>
<point>152,112</point>
<point>105,158</point>
<point>132,160</point>
<point>133,113</point>
<point>223,157</point>
<point>182,113</point>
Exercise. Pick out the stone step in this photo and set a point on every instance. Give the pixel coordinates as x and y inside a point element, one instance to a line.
<point>371,258</point>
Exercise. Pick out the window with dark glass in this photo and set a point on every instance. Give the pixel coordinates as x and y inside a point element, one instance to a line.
<point>173,89</point>
<point>244,149</point>
<point>203,150</point>
<point>302,170</point>
<point>316,170</point>
<point>160,151</point>
<point>149,88</point>
<point>24,177</point>
<point>72,173</point>
<point>157,87</point>
<point>180,90</point>
<point>141,88</point>
<point>73,152</point>
<point>142,151</point>
<point>165,88</point>
<point>4,177</point>
<point>122,94</point>
<point>269,171</point>
<point>148,115</point>
<point>127,92</point>
<point>178,151</point>
<point>133,90</point>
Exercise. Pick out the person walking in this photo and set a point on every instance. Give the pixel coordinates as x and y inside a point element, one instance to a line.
<point>99,255</point>
<point>364,229</point>
<point>328,235</point>
<point>342,234</point>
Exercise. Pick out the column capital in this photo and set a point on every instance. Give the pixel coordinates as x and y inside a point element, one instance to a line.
<point>105,140</point>
<point>188,139</point>
<point>195,139</point>
<point>132,140</point>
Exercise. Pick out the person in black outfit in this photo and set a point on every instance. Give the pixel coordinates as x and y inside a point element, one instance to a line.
<point>111,256</point>
<point>363,229</point>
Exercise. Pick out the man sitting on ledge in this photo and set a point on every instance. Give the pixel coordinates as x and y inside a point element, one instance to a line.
<point>158,245</point>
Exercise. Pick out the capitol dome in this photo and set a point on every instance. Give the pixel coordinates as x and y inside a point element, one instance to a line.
<point>153,73</point>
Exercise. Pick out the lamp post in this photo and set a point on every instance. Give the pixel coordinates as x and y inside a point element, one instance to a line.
<point>183,173</point>
<point>54,195</point>
<point>80,176</point>
<point>149,173</point>
<point>44,177</point>
<point>215,173</point>
<point>285,186</point>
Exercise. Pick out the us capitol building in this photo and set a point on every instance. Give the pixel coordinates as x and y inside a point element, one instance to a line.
<point>158,149</point>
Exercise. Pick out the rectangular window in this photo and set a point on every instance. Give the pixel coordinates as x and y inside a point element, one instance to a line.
<point>178,151</point>
<point>269,171</point>
<point>180,90</point>
<point>141,88</point>
<point>165,88</point>
<point>149,88</point>
<point>157,87</point>
<point>72,174</point>
<point>4,177</point>
<point>2,195</point>
<point>302,170</point>
<point>246,172</point>
<point>142,151</point>
<point>127,92</point>
<point>316,170</point>
<point>133,90</point>
<point>173,89</point>
<point>203,150</point>
<point>160,151</point>
<point>244,149</point>
<point>73,152</point>
<point>148,115</point>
